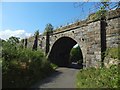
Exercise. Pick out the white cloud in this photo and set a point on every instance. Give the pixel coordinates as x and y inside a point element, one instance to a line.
<point>5,34</point>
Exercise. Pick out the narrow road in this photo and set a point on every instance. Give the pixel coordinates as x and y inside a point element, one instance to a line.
<point>62,78</point>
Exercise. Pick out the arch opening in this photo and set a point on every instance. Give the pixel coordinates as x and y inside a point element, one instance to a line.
<point>76,57</point>
<point>60,52</point>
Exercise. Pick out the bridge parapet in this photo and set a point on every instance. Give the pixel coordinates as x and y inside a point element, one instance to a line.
<point>109,15</point>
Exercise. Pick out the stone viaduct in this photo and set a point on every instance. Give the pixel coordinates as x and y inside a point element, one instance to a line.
<point>93,37</point>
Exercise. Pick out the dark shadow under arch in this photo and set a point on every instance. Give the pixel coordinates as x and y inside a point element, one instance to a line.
<point>60,51</point>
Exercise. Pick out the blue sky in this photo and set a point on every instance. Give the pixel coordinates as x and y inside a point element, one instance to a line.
<point>31,16</point>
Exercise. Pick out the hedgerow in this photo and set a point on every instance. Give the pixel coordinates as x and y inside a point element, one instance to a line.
<point>22,67</point>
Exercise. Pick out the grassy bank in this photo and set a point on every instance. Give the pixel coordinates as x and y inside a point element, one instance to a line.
<point>22,67</point>
<point>98,78</point>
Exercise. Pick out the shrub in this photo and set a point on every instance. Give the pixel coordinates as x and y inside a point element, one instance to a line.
<point>22,67</point>
<point>98,78</point>
<point>54,66</point>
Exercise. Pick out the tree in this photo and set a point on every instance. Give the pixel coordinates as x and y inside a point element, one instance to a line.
<point>36,40</point>
<point>110,5</point>
<point>107,5</point>
<point>13,40</point>
<point>76,54</point>
<point>49,28</point>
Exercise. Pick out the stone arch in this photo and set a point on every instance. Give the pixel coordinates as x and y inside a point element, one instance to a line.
<point>60,50</point>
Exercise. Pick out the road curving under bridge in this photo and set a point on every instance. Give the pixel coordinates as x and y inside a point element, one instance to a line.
<point>62,78</point>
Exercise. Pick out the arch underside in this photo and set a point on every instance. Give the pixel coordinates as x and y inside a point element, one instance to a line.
<point>60,51</point>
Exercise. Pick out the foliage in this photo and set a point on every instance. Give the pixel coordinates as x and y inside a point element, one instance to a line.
<point>22,43</point>
<point>99,14</point>
<point>54,66</point>
<point>76,54</point>
<point>13,40</point>
<point>48,29</point>
<point>98,78</point>
<point>101,77</point>
<point>105,5</point>
<point>22,67</point>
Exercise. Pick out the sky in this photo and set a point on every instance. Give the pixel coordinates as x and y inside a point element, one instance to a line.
<point>22,19</point>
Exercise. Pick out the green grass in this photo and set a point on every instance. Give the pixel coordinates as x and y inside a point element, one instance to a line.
<point>54,66</point>
<point>98,78</point>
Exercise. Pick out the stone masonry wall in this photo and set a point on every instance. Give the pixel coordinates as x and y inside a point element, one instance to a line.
<point>87,34</point>
<point>112,33</point>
